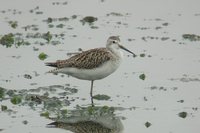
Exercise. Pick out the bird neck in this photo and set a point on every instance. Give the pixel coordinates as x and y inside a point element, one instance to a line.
<point>116,52</point>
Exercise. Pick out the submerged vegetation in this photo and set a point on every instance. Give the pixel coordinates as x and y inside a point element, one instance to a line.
<point>42,56</point>
<point>39,96</point>
<point>191,37</point>
<point>4,108</point>
<point>32,34</point>
<point>2,92</point>
<point>16,99</point>
<point>47,36</point>
<point>13,24</point>
<point>7,40</point>
<point>11,39</point>
<point>142,76</point>
<point>45,114</point>
<point>88,19</point>
<point>53,107</point>
<point>101,97</point>
<point>147,124</point>
<point>182,114</point>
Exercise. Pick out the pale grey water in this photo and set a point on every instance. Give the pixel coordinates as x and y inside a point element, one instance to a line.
<point>173,65</point>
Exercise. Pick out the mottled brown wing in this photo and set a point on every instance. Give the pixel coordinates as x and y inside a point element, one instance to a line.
<point>87,59</point>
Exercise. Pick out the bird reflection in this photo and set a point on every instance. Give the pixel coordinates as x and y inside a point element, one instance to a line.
<point>90,120</point>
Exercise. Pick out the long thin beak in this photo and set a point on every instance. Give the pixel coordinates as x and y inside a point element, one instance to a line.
<point>122,47</point>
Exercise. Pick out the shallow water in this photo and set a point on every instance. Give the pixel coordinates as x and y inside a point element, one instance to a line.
<point>153,30</point>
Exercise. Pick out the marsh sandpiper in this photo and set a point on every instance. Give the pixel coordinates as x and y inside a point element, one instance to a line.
<point>93,64</point>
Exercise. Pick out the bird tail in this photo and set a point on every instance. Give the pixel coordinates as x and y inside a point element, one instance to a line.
<point>51,64</point>
<point>53,124</point>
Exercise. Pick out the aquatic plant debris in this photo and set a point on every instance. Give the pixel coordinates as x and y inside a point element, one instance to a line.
<point>147,124</point>
<point>4,107</point>
<point>25,122</point>
<point>11,39</point>
<point>181,101</point>
<point>47,36</point>
<point>42,56</point>
<point>16,100</point>
<point>89,20</point>
<point>45,114</point>
<point>142,76</point>
<point>51,20</point>
<point>165,24</point>
<point>60,3</point>
<point>48,106</point>
<point>191,37</point>
<point>7,40</point>
<point>27,76</point>
<point>162,88</point>
<point>13,24</point>
<point>182,114</point>
<point>32,27</point>
<point>60,26</point>
<point>117,14</point>
<point>2,92</point>
<point>142,55</point>
<point>45,99</point>
<point>101,97</point>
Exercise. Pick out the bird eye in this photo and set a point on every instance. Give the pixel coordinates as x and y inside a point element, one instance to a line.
<point>114,41</point>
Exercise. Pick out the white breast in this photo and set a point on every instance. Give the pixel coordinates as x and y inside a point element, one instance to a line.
<point>93,74</point>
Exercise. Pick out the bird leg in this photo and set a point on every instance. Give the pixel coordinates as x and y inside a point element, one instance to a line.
<point>91,93</point>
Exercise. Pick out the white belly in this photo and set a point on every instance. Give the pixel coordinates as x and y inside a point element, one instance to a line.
<point>92,74</point>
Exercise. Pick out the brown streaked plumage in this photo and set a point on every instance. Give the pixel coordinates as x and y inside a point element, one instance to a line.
<point>86,60</point>
<point>92,64</point>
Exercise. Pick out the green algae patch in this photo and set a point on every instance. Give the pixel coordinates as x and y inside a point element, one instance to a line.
<point>45,99</point>
<point>16,100</point>
<point>2,92</point>
<point>34,99</point>
<point>47,36</point>
<point>42,56</point>
<point>101,97</point>
<point>115,14</point>
<point>89,20</point>
<point>25,122</point>
<point>7,40</point>
<point>50,25</point>
<point>51,104</point>
<point>182,114</point>
<point>60,26</point>
<point>10,93</point>
<point>165,24</point>
<point>147,124</point>
<point>142,55</point>
<point>74,16</point>
<point>51,20</point>
<point>13,39</point>
<point>94,110</point>
<point>142,76</point>
<point>13,24</point>
<point>45,114</point>
<point>27,76</point>
<point>4,108</point>
<point>191,37</point>
<point>63,113</point>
